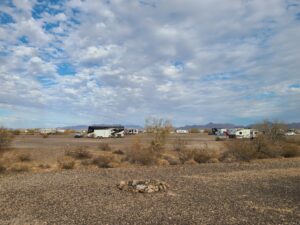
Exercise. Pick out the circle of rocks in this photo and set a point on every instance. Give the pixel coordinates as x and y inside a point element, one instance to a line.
<point>143,186</point>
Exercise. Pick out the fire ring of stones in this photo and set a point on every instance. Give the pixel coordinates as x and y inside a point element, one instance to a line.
<point>143,186</point>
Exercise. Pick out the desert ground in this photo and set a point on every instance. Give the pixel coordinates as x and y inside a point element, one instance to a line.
<point>257,192</point>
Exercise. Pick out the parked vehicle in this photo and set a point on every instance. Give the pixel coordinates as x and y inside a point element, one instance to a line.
<point>105,131</point>
<point>78,135</point>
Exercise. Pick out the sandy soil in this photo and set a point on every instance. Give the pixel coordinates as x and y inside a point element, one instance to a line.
<point>262,192</point>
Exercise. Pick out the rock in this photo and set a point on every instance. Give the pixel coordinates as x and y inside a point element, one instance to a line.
<point>142,186</point>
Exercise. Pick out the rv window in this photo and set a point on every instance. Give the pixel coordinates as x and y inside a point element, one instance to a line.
<point>241,132</point>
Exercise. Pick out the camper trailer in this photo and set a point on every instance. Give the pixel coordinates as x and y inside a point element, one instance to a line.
<point>246,133</point>
<point>105,131</point>
<point>131,131</point>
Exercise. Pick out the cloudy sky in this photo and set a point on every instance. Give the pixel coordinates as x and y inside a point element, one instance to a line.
<point>121,61</point>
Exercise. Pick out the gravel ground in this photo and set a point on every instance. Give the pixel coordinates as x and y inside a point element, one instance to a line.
<point>263,192</point>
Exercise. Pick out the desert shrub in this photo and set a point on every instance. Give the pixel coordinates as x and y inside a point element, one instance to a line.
<point>78,153</point>
<point>2,167</point>
<point>160,128</point>
<point>45,135</point>
<point>66,163</point>
<point>219,139</point>
<point>205,155</point>
<point>87,162</point>
<point>273,131</point>
<point>194,130</point>
<point>289,150</point>
<point>103,161</point>
<point>104,146</point>
<point>23,157</point>
<point>118,152</point>
<point>186,155</point>
<point>140,154</point>
<point>5,139</point>
<point>18,167</point>
<point>172,160</point>
<point>179,144</point>
<point>16,132</point>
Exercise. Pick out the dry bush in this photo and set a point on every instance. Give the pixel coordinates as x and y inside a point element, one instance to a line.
<point>19,167</point>
<point>24,157</point>
<point>103,146</point>
<point>141,155</point>
<point>161,129</point>
<point>2,167</point>
<point>16,132</point>
<point>179,144</point>
<point>194,130</point>
<point>66,163</point>
<point>173,160</point>
<point>118,152</point>
<point>87,162</point>
<point>205,155</point>
<point>104,161</point>
<point>186,155</point>
<point>261,147</point>
<point>5,139</point>
<point>45,135</point>
<point>78,153</point>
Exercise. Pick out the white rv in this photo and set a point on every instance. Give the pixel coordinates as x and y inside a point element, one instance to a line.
<point>246,133</point>
<point>105,131</point>
<point>132,131</point>
<point>182,131</point>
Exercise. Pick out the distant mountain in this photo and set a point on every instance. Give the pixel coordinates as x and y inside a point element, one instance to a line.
<point>211,125</point>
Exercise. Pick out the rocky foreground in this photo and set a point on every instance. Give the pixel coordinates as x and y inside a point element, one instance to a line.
<point>264,192</point>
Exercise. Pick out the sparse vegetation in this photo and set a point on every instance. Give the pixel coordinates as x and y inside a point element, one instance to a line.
<point>270,144</point>
<point>5,139</point>
<point>103,146</point>
<point>2,167</point>
<point>24,157</point>
<point>78,153</point>
<point>118,152</point>
<point>140,154</point>
<point>66,163</point>
<point>103,161</point>
<point>19,167</point>
<point>179,144</point>
<point>194,130</point>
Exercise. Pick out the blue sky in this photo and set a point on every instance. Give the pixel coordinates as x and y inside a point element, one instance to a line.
<point>85,62</point>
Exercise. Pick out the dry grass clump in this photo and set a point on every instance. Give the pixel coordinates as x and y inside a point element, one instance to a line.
<point>104,161</point>
<point>79,153</point>
<point>19,167</point>
<point>205,155</point>
<point>103,146</point>
<point>179,144</point>
<point>142,155</point>
<point>44,166</point>
<point>2,167</point>
<point>87,162</point>
<point>173,160</point>
<point>66,163</point>
<point>24,157</point>
<point>5,139</point>
<point>118,152</point>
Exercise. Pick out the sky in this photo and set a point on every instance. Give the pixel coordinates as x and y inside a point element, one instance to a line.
<point>76,62</point>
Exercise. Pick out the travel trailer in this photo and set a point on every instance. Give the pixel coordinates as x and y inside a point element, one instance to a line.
<point>246,133</point>
<point>105,131</point>
<point>131,131</point>
<point>182,131</point>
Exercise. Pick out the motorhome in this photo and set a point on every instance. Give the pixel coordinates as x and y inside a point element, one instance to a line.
<point>105,131</point>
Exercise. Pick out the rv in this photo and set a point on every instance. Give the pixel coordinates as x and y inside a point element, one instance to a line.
<point>246,133</point>
<point>182,131</point>
<point>131,131</point>
<point>105,131</point>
